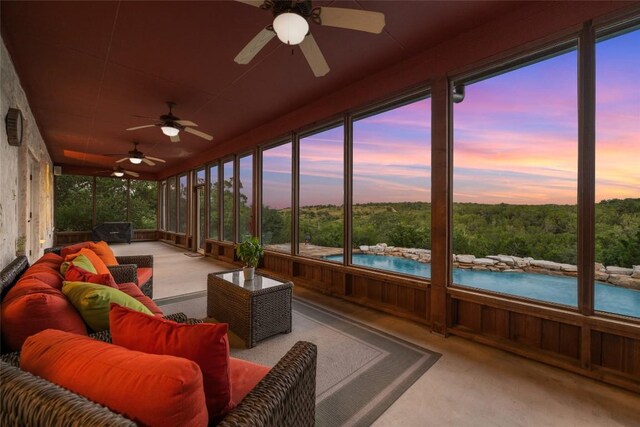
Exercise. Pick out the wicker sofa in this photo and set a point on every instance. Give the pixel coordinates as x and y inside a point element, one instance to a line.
<point>284,397</point>
<point>127,270</point>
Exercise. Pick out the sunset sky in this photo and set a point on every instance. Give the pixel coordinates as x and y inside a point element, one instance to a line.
<point>515,141</point>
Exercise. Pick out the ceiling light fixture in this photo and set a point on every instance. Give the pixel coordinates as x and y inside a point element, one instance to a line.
<point>119,174</point>
<point>170,130</point>
<point>290,28</point>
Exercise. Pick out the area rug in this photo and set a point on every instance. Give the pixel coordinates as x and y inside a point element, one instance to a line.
<point>361,371</point>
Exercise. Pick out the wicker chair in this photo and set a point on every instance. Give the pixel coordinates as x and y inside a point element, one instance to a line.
<point>126,271</point>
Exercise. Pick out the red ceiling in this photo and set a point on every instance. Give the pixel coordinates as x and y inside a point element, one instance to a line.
<point>88,67</point>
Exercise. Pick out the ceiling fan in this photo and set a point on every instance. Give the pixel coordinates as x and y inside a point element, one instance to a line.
<point>119,172</point>
<point>136,157</point>
<point>172,125</point>
<point>291,25</point>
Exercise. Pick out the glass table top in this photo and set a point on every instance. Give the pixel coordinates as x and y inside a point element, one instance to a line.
<point>259,281</point>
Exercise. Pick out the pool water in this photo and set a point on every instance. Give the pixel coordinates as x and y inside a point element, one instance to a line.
<point>555,289</point>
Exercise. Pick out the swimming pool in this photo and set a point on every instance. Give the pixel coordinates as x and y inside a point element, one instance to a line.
<point>555,289</point>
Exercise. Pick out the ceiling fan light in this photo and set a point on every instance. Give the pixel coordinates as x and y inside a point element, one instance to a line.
<point>290,28</point>
<point>135,160</point>
<point>118,174</point>
<point>170,130</point>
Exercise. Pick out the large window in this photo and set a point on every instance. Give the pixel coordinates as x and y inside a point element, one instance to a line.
<point>617,288</point>
<point>111,199</point>
<point>73,203</point>
<point>515,181</point>
<point>276,198</point>
<point>392,189</point>
<point>143,205</point>
<point>245,197</point>
<point>173,211</point>
<point>163,206</point>
<point>227,202</point>
<point>182,203</point>
<point>214,216</point>
<point>321,194</point>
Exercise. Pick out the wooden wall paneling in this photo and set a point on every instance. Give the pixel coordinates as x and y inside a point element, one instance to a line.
<point>420,305</point>
<point>596,348</point>
<point>612,352</point>
<point>570,344</point>
<point>550,336</point>
<point>495,322</point>
<point>390,294</point>
<point>631,357</point>
<point>469,315</point>
<point>374,290</point>
<point>359,289</point>
<point>348,284</point>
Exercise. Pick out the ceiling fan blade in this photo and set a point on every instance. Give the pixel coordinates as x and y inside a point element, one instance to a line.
<point>198,133</point>
<point>155,119</point>
<point>141,127</point>
<point>254,46</point>
<point>314,56</point>
<point>122,160</point>
<point>256,3</point>
<point>149,162</point>
<point>186,123</point>
<point>155,159</point>
<point>352,19</point>
<point>174,138</point>
<point>132,173</point>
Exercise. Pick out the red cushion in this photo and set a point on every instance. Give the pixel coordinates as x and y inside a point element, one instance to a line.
<point>144,274</point>
<point>134,291</point>
<point>54,260</point>
<point>98,264</point>
<point>77,274</point>
<point>28,285</point>
<point>104,252</point>
<point>44,272</point>
<point>244,377</point>
<point>68,250</point>
<point>149,389</point>
<point>205,343</point>
<point>34,307</point>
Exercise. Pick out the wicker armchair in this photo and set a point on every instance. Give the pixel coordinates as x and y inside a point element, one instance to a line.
<point>284,397</point>
<point>126,271</point>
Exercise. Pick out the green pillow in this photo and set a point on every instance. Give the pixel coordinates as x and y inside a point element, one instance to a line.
<point>79,261</point>
<point>93,301</point>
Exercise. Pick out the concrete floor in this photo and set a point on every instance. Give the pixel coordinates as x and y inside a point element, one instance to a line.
<point>471,384</point>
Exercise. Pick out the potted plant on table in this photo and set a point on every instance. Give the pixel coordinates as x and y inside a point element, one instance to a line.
<point>250,251</point>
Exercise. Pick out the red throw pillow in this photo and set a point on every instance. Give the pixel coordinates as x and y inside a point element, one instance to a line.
<point>44,272</point>
<point>134,291</point>
<point>68,250</point>
<point>33,307</point>
<point>149,389</point>
<point>104,252</point>
<point>205,343</point>
<point>100,266</point>
<point>77,274</point>
<point>54,260</point>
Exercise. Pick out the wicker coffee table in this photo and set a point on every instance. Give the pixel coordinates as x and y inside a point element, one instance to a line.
<point>254,309</point>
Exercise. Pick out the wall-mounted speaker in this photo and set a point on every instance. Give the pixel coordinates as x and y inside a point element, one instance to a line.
<point>57,170</point>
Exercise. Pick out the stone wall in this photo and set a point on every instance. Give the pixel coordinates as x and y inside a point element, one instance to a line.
<point>618,276</point>
<point>26,176</point>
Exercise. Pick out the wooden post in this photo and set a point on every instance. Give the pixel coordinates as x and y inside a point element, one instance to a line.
<point>441,165</point>
<point>586,181</point>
